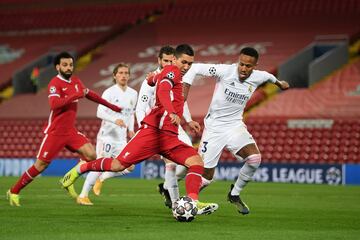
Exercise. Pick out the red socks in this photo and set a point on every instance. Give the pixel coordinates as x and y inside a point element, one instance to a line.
<point>98,165</point>
<point>193,181</point>
<point>25,179</point>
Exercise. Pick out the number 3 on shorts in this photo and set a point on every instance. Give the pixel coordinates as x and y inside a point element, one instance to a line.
<point>204,148</point>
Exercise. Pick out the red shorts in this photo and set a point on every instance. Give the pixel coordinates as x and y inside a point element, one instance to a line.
<point>52,144</point>
<point>149,141</point>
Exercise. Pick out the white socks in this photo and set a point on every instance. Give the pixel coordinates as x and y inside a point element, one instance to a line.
<point>171,183</point>
<point>246,173</point>
<point>89,183</point>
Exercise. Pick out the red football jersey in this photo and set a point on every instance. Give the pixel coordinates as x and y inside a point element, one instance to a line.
<point>169,99</point>
<point>63,98</point>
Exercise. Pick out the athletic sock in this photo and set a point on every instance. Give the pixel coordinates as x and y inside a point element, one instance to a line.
<point>193,181</point>
<point>98,165</point>
<point>89,183</point>
<point>246,173</point>
<point>170,183</point>
<point>107,175</point>
<point>25,179</point>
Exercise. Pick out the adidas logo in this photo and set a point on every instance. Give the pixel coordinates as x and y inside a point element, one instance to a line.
<point>232,84</point>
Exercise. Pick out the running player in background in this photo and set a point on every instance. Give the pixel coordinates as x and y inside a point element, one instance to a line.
<point>64,90</point>
<point>169,189</point>
<point>114,130</point>
<point>158,132</point>
<point>224,126</point>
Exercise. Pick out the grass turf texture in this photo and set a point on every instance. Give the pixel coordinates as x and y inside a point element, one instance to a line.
<point>133,209</point>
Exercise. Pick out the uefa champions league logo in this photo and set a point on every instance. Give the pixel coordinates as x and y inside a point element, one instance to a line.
<point>333,176</point>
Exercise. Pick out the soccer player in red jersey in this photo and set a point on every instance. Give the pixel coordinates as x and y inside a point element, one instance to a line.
<point>158,132</point>
<point>64,90</point>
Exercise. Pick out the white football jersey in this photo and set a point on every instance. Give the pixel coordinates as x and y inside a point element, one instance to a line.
<point>146,100</point>
<point>109,131</point>
<point>230,94</point>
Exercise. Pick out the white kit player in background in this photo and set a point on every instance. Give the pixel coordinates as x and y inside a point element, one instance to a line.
<point>224,126</point>
<point>169,189</point>
<point>114,131</point>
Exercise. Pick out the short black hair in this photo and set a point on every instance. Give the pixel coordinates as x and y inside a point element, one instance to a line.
<point>184,49</point>
<point>168,50</point>
<point>62,55</point>
<point>249,51</point>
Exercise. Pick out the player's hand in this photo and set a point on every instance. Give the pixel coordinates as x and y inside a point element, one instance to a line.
<point>150,78</point>
<point>284,85</point>
<point>195,126</point>
<point>120,123</point>
<point>131,134</point>
<point>175,119</point>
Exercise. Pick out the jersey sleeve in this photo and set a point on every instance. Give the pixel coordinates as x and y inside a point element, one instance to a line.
<point>102,111</point>
<point>268,77</point>
<point>169,77</point>
<point>146,93</point>
<point>203,69</point>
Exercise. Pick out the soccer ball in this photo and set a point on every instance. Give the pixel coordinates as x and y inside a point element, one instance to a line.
<point>184,209</point>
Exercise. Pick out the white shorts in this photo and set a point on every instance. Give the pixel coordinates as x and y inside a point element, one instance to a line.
<point>212,143</point>
<point>108,149</point>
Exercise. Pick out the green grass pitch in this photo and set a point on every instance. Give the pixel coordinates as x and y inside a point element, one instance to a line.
<point>133,209</point>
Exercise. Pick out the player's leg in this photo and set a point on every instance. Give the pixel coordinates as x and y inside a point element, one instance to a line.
<point>106,175</point>
<point>186,155</point>
<point>91,178</point>
<point>169,189</point>
<point>134,152</point>
<point>210,149</point>
<point>244,148</point>
<point>111,149</point>
<point>79,143</point>
<point>49,147</point>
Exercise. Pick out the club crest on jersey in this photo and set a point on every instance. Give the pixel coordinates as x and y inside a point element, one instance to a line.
<point>250,89</point>
<point>52,89</point>
<point>170,75</point>
<point>212,71</point>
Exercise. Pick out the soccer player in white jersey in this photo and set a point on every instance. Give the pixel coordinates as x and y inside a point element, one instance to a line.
<point>114,130</point>
<point>169,189</point>
<point>224,126</point>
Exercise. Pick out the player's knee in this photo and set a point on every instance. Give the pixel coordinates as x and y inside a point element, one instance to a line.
<point>170,166</point>
<point>117,166</point>
<point>131,168</point>
<point>194,160</point>
<point>253,161</point>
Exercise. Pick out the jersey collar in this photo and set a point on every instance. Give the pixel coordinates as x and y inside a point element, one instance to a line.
<point>65,80</point>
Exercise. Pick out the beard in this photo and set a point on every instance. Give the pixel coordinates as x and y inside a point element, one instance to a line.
<point>66,75</point>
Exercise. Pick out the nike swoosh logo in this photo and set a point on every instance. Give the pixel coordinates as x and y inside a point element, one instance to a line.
<point>64,89</point>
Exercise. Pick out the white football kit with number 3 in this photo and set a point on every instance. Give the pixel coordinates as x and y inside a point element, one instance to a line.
<point>224,127</point>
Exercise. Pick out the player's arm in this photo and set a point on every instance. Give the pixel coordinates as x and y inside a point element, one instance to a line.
<point>283,85</point>
<point>203,69</point>
<point>93,96</point>
<point>164,87</point>
<point>56,101</point>
<point>187,116</point>
<point>143,103</point>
